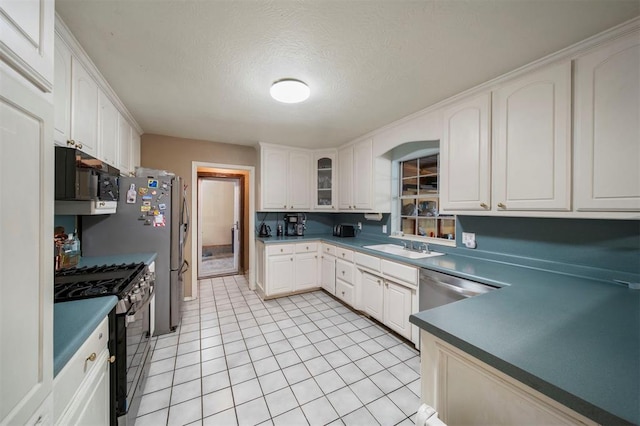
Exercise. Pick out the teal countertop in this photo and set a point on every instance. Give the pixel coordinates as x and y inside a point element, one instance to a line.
<point>569,332</point>
<point>73,323</point>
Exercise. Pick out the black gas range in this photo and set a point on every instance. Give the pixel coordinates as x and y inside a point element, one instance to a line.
<point>129,325</point>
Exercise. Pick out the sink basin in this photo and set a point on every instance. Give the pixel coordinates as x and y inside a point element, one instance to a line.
<point>401,251</point>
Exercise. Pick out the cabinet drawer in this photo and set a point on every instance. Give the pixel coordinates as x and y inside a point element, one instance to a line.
<point>344,291</point>
<point>344,271</point>
<point>280,249</point>
<point>70,378</point>
<point>327,249</point>
<point>307,247</point>
<point>345,254</point>
<point>407,274</point>
<point>370,262</point>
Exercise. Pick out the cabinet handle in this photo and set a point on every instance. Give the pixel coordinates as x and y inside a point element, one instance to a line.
<point>343,293</point>
<point>92,357</point>
<point>343,254</point>
<point>386,285</point>
<point>292,259</point>
<point>79,146</point>
<point>379,282</point>
<point>483,205</point>
<point>71,142</point>
<point>285,206</point>
<point>333,207</point>
<point>111,359</point>
<point>343,272</point>
<point>316,256</point>
<point>502,206</point>
<point>291,206</point>
<point>307,248</point>
<point>281,250</point>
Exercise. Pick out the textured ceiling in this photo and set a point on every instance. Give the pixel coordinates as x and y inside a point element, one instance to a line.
<point>202,69</point>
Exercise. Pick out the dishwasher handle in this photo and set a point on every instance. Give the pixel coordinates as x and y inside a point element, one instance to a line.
<point>457,285</point>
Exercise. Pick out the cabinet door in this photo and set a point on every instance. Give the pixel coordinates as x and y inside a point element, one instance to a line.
<point>328,273</point>
<point>363,175</point>
<point>372,296</point>
<point>108,130</point>
<point>260,261</point>
<point>26,264</point>
<point>135,150</point>
<point>274,174</point>
<point>84,109</point>
<point>62,93</point>
<point>345,178</point>
<point>532,130</point>
<point>397,308</point>
<point>95,410</point>
<point>124,145</point>
<point>607,127</point>
<point>465,156</point>
<point>27,39</point>
<point>306,271</point>
<point>325,180</point>
<point>280,275</point>
<point>299,179</point>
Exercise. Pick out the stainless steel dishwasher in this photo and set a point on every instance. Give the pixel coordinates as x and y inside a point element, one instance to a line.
<point>437,289</point>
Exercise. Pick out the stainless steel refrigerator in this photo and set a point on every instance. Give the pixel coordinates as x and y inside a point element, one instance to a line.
<point>152,216</point>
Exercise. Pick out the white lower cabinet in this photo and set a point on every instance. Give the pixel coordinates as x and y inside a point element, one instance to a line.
<point>328,273</point>
<point>287,268</point>
<point>465,390</point>
<point>345,292</point>
<point>372,296</point>
<point>81,389</point>
<point>397,308</point>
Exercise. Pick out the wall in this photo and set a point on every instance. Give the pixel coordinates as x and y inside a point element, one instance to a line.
<point>177,154</point>
<point>607,244</point>
<point>216,217</point>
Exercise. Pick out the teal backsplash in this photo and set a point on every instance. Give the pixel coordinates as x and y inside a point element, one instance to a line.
<point>605,244</point>
<point>322,223</point>
<point>66,221</point>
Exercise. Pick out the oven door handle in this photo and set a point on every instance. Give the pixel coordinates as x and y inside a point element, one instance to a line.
<point>133,310</point>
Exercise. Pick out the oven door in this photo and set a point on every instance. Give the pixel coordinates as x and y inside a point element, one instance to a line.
<point>133,358</point>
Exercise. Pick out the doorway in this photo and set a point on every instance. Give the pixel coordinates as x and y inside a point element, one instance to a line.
<point>219,224</point>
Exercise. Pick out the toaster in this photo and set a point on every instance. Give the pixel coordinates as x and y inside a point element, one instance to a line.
<point>344,231</point>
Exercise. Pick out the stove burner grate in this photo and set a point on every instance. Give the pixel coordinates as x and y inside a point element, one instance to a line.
<point>95,281</point>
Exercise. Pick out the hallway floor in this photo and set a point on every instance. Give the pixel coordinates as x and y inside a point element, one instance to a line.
<point>304,359</point>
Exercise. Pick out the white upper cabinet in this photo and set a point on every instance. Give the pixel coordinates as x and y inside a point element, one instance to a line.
<point>607,127</point>
<point>62,93</point>
<point>355,174</point>
<point>84,109</point>
<point>135,150</point>
<point>27,39</point>
<point>108,129</point>
<point>285,178</point>
<point>345,178</point>
<point>124,145</point>
<point>325,180</point>
<point>532,141</point>
<point>465,155</point>
<point>299,180</point>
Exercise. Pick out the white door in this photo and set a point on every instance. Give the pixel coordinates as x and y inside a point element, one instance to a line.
<point>124,145</point>
<point>306,271</point>
<point>218,226</point>
<point>26,264</point>
<point>363,175</point>
<point>274,174</point>
<point>84,109</point>
<point>345,178</point>
<point>62,93</point>
<point>299,180</point>
<point>328,273</point>
<point>397,308</point>
<point>280,275</point>
<point>108,130</point>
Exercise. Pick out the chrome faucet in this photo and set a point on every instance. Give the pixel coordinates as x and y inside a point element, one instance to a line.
<point>425,248</point>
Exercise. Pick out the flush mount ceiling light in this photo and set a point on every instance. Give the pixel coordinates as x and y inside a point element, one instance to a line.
<point>289,91</point>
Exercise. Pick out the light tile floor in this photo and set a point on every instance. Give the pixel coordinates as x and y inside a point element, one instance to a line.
<point>304,359</point>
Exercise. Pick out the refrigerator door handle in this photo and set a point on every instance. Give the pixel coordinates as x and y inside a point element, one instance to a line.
<point>186,215</point>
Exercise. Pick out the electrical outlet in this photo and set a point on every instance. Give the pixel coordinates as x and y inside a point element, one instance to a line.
<point>360,226</point>
<point>384,229</point>
<point>469,239</point>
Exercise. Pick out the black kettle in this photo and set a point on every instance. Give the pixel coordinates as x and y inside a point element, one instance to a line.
<point>265,230</point>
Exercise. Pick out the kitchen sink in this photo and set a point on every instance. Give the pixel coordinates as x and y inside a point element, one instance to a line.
<point>401,251</point>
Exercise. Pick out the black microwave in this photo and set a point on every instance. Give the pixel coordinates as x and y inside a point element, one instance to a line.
<point>81,177</point>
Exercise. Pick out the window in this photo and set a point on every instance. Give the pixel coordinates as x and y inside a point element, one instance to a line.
<point>419,200</point>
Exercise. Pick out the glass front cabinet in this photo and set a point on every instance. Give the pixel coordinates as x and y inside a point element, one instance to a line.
<point>325,179</point>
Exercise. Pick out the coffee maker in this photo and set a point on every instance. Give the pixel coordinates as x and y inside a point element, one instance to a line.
<point>295,224</point>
